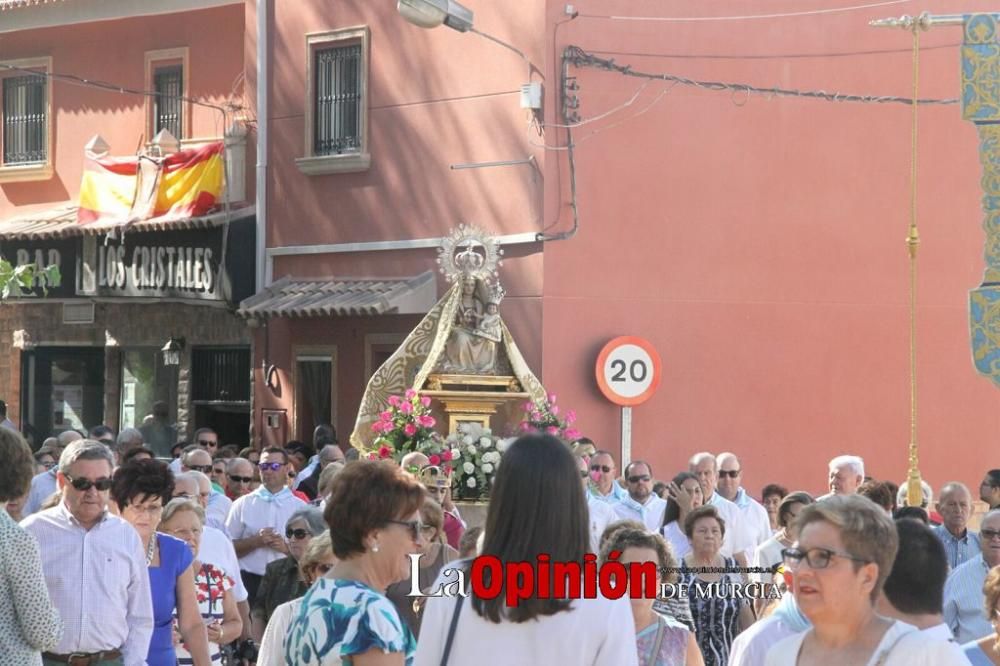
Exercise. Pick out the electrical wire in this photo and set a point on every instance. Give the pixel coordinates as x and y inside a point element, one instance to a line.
<point>607,113</point>
<point>748,17</point>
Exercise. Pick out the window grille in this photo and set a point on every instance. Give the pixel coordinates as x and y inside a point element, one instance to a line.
<point>24,121</point>
<point>168,82</point>
<point>337,111</point>
<point>220,374</point>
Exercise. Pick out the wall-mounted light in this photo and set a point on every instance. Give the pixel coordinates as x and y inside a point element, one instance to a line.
<point>432,13</point>
<point>172,351</point>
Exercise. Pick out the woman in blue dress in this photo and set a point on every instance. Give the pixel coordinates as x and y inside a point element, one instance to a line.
<point>140,488</point>
<point>345,617</point>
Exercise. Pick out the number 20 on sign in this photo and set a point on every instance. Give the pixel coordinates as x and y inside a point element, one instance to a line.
<point>628,373</point>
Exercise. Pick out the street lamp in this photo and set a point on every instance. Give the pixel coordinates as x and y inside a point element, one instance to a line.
<point>432,13</point>
<point>172,351</point>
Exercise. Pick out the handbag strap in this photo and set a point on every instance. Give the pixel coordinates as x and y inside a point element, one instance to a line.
<point>451,630</point>
<point>885,653</point>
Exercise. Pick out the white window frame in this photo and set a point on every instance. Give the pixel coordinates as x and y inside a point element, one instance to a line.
<point>18,173</point>
<point>151,61</point>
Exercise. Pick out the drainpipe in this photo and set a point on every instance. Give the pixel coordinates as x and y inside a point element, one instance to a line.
<point>262,111</point>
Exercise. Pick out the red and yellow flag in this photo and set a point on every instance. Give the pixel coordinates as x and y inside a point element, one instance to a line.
<point>121,190</point>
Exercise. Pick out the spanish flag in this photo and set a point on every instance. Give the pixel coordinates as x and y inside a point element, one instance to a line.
<point>123,190</point>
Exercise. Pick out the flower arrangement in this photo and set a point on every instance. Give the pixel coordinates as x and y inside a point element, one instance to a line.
<point>475,456</point>
<point>546,418</point>
<point>407,425</point>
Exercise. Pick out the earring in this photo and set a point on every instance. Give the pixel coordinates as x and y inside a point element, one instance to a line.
<point>375,548</point>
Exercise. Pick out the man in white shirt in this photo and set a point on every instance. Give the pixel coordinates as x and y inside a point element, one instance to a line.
<point>914,590</point>
<point>753,516</point>
<point>94,564</point>
<point>704,466</point>
<point>601,514</point>
<point>641,503</point>
<point>963,591</point>
<point>603,475</point>
<point>256,523</point>
<point>846,473</point>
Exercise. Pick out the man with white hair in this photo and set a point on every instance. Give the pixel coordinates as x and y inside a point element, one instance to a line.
<point>734,542</point>
<point>196,459</point>
<point>955,506</point>
<point>846,474</point>
<point>753,516</point>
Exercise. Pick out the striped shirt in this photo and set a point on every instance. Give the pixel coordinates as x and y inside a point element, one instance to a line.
<point>963,601</point>
<point>959,550</point>
<point>98,581</point>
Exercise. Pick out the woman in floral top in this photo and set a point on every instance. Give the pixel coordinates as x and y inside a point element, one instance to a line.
<point>185,520</point>
<point>346,617</point>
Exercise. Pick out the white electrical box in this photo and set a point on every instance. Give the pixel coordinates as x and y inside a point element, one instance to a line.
<point>531,96</point>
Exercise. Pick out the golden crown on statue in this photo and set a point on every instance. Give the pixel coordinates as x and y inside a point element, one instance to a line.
<point>470,252</point>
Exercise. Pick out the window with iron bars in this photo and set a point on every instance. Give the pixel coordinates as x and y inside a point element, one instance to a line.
<point>338,96</point>
<point>168,82</point>
<point>25,126</point>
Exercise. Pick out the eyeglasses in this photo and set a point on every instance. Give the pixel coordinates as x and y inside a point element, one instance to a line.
<point>988,534</point>
<point>240,479</point>
<point>204,443</point>
<point>324,569</point>
<point>816,558</point>
<point>731,473</point>
<point>601,468</point>
<point>204,469</point>
<point>270,466</point>
<point>639,477</point>
<point>298,534</point>
<point>83,485</point>
<point>415,527</point>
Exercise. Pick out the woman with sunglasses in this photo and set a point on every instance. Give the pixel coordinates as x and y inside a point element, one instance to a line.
<point>433,556</point>
<point>283,580</point>
<point>184,519</point>
<point>140,488</point>
<point>316,562</point>
<point>374,519</point>
<point>843,555</point>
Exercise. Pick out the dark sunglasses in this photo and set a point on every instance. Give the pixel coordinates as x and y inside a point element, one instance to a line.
<point>297,534</point>
<point>206,444</point>
<point>639,477</point>
<point>240,479</point>
<point>204,469</point>
<point>271,466</point>
<point>83,485</point>
<point>989,534</point>
<point>601,468</point>
<point>414,526</point>
<point>731,473</point>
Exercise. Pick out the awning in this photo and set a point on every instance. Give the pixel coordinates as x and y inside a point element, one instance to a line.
<point>61,222</point>
<point>298,297</point>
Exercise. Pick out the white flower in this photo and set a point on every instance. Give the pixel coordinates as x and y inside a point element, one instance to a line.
<point>469,468</point>
<point>504,444</point>
<point>471,450</point>
<point>494,457</point>
<point>455,454</point>
<point>468,440</point>
<point>471,482</point>
<point>488,468</point>
<point>485,442</point>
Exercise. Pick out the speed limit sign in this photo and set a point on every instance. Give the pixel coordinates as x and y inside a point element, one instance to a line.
<point>628,371</point>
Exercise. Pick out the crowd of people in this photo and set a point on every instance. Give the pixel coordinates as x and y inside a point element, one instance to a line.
<point>113,553</point>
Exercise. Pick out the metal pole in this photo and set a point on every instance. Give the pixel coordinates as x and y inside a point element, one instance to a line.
<point>626,436</point>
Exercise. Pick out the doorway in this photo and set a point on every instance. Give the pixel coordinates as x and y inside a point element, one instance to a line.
<point>63,389</point>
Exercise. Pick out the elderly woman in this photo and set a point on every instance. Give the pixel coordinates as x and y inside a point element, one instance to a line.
<point>283,578</point>
<point>683,496</point>
<point>660,640</point>
<point>538,471</point>
<point>843,555</point>
<point>185,520</point>
<point>433,556</point>
<point>770,498</point>
<point>721,614</point>
<point>314,563</point>
<point>140,488</point>
<point>768,554</point>
<point>29,624</point>
<point>986,651</point>
<point>374,519</point>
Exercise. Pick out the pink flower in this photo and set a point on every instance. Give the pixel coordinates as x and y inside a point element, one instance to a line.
<point>435,460</point>
<point>446,454</point>
<point>447,469</point>
<point>552,397</point>
<point>406,408</point>
<point>536,416</point>
<point>425,401</point>
<point>409,430</point>
<point>384,452</point>
<point>552,430</point>
<point>570,416</point>
<point>410,394</point>
<point>426,421</point>
<point>394,400</point>
<point>555,409</point>
<point>377,426</point>
<point>372,456</point>
<point>525,426</point>
<point>386,415</point>
<point>572,433</point>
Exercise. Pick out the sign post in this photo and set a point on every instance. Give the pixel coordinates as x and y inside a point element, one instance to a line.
<point>628,372</point>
